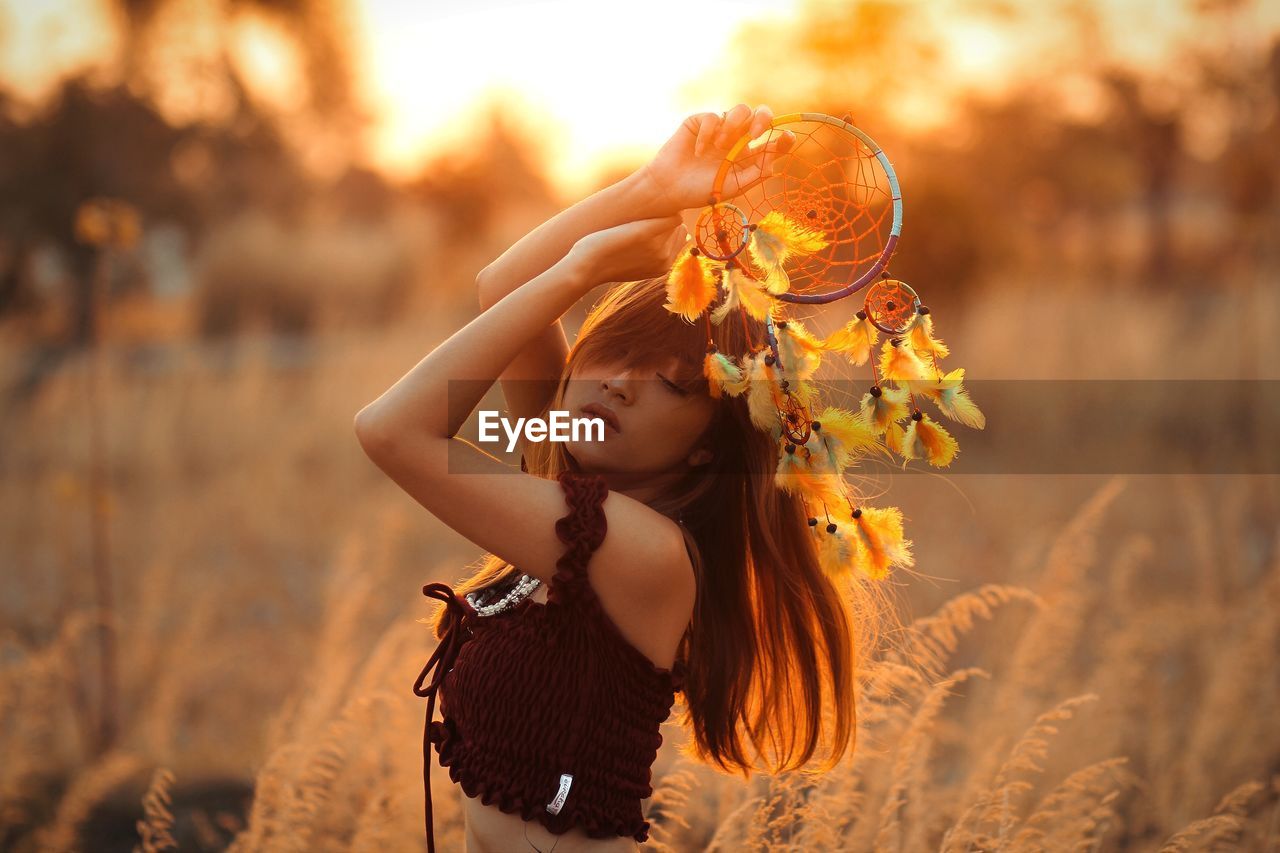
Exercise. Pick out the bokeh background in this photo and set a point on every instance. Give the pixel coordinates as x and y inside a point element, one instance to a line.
<point>226,225</point>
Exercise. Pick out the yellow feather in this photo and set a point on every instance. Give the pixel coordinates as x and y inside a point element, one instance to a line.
<point>722,375</point>
<point>797,238</point>
<point>691,285</point>
<point>821,459</point>
<point>879,540</point>
<point>823,488</point>
<point>754,299</point>
<point>901,362</point>
<point>893,438</point>
<point>880,412</point>
<point>776,280</point>
<point>788,472</point>
<point>768,250</point>
<point>926,439</point>
<point>762,394</point>
<point>952,398</point>
<point>854,340</point>
<point>801,352</point>
<point>828,484</point>
<point>742,292</point>
<point>730,298</point>
<point>797,476</point>
<point>846,436</point>
<point>835,551</point>
<point>923,340</point>
<point>774,241</point>
<point>762,251</point>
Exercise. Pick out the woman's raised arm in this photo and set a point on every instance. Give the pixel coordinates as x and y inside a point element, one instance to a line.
<point>678,178</point>
<point>529,382</point>
<point>410,430</point>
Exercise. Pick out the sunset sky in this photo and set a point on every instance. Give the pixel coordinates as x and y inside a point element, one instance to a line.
<point>598,79</point>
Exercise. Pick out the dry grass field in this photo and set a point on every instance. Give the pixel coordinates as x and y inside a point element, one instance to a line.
<point>1107,647</point>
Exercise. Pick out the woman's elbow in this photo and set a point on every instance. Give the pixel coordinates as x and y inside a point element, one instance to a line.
<point>369,431</point>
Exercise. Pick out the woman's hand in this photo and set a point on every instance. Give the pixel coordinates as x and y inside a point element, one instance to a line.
<point>683,171</point>
<point>635,250</point>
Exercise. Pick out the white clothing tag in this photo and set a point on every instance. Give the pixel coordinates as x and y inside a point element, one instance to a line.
<point>566,779</point>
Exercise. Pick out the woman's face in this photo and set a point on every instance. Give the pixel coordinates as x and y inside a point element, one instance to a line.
<point>658,425</point>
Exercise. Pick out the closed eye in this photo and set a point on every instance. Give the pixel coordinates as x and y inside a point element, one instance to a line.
<point>673,386</point>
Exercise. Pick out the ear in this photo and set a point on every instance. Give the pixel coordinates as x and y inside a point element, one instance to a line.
<point>701,456</point>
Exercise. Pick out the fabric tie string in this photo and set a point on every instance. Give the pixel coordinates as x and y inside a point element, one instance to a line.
<point>441,660</point>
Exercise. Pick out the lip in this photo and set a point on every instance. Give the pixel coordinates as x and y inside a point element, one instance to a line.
<point>598,410</point>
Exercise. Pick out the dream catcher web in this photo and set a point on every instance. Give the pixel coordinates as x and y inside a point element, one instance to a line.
<point>834,180</point>
<point>791,256</point>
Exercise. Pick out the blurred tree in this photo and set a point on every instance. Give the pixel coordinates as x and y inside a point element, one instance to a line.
<point>316,28</point>
<point>90,141</point>
<point>1154,133</point>
<point>868,57</point>
<point>1248,83</point>
<point>86,143</point>
<point>116,139</point>
<point>498,170</point>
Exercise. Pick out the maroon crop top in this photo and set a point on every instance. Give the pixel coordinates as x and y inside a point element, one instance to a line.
<point>547,710</point>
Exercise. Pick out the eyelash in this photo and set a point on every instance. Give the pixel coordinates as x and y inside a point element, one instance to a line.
<point>674,387</point>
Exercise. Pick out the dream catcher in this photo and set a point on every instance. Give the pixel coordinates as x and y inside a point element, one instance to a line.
<point>821,230</point>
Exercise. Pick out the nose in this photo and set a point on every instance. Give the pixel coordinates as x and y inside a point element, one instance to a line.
<point>618,384</point>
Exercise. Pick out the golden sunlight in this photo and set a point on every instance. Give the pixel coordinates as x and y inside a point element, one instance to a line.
<point>270,62</point>
<point>591,85</point>
<point>594,82</point>
<point>41,41</point>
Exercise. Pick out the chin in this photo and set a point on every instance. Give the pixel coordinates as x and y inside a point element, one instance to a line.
<point>591,454</point>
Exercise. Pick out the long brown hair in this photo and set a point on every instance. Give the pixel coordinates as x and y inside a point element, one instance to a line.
<point>775,645</point>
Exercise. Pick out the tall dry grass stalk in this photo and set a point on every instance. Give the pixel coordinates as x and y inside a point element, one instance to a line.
<point>38,733</point>
<point>334,779</point>
<point>156,827</point>
<point>88,789</point>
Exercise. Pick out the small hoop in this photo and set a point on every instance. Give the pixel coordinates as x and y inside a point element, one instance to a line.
<point>720,226</point>
<point>892,306</point>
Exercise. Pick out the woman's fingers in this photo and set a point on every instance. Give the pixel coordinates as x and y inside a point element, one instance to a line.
<point>778,147</point>
<point>742,120</point>
<point>734,125</point>
<point>675,242</point>
<point>722,131</point>
<point>763,155</point>
<point>757,164</point>
<point>707,128</point>
<point>760,120</point>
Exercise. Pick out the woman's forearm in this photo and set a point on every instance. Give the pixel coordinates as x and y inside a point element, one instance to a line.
<point>633,197</point>
<point>427,402</point>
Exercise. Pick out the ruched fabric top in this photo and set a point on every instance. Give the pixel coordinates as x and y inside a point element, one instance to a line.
<point>548,711</point>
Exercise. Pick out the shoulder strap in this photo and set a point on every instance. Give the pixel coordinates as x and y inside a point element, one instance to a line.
<point>581,529</point>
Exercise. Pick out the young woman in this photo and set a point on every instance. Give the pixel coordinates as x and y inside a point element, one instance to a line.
<point>659,560</point>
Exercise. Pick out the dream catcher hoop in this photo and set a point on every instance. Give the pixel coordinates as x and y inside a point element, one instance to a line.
<point>822,228</point>
<point>835,181</point>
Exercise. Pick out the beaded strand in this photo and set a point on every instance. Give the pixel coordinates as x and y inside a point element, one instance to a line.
<point>523,589</point>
